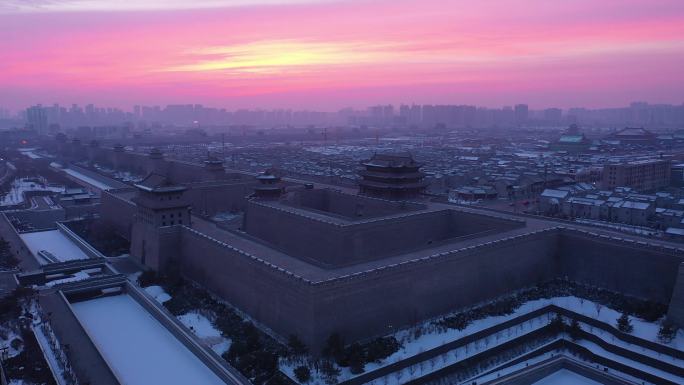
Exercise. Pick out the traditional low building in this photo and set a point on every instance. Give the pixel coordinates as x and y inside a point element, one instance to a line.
<point>633,135</point>
<point>572,141</point>
<point>473,193</point>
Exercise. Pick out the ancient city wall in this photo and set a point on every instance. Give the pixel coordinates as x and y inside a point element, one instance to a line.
<point>676,310</point>
<point>351,207</point>
<point>270,295</point>
<point>17,246</point>
<point>634,268</point>
<point>118,212</point>
<point>210,198</point>
<point>331,243</point>
<point>155,247</point>
<point>370,303</point>
<point>380,301</point>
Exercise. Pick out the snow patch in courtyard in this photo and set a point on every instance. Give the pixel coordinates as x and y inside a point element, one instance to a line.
<point>158,293</point>
<point>203,328</point>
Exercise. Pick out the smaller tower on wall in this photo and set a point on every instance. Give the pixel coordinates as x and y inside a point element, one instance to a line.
<point>156,161</point>
<point>270,186</point>
<point>162,209</point>
<point>214,168</point>
<point>119,153</point>
<point>93,149</point>
<point>78,152</point>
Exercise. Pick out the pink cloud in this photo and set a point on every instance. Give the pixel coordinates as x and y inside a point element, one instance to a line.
<point>353,52</point>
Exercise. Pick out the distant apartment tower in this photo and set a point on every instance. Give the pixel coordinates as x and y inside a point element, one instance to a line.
<point>36,118</point>
<point>553,115</point>
<point>522,112</point>
<point>644,175</point>
<point>410,114</point>
<point>392,176</point>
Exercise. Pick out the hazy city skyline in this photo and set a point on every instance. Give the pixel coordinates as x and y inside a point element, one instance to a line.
<point>326,55</point>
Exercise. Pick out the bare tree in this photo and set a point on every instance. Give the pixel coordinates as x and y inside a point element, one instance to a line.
<point>598,307</point>
<point>399,375</point>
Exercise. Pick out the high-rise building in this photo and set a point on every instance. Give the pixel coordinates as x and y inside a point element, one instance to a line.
<point>522,112</point>
<point>36,118</point>
<point>553,115</point>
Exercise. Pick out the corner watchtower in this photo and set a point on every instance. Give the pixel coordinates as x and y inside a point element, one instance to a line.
<point>161,203</point>
<point>161,209</point>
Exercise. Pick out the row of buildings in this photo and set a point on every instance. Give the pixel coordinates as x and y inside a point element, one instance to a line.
<point>622,205</point>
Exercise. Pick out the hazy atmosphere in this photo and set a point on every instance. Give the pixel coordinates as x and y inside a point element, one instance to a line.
<point>327,55</point>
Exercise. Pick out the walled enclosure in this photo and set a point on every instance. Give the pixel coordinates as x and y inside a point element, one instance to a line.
<point>377,302</point>
<point>331,241</point>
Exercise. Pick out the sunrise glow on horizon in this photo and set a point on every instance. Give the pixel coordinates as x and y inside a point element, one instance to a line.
<point>332,54</point>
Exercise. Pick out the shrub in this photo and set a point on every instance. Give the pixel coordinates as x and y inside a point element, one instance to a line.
<point>557,324</point>
<point>334,347</point>
<point>296,346</point>
<point>302,373</point>
<point>575,330</point>
<point>355,358</point>
<point>147,278</point>
<point>667,331</point>
<point>330,372</point>
<point>381,348</point>
<point>624,324</point>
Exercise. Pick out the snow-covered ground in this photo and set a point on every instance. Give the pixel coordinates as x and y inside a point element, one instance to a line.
<point>224,216</point>
<point>596,349</point>
<point>461,353</point>
<point>566,377</point>
<point>18,187</point>
<point>432,337</point>
<point>198,324</point>
<point>7,335</point>
<point>158,293</point>
<point>84,178</point>
<point>55,243</point>
<point>43,340</point>
<point>202,327</point>
<point>540,358</point>
<point>137,347</point>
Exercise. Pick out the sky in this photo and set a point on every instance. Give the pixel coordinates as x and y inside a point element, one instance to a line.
<point>329,54</point>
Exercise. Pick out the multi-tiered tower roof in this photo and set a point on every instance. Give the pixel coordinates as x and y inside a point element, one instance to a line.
<point>392,176</point>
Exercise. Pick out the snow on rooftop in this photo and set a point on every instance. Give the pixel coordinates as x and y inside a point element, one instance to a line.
<point>54,242</point>
<point>674,231</point>
<point>138,349</point>
<point>566,377</point>
<point>84,178</point>
<point>633,205</point>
